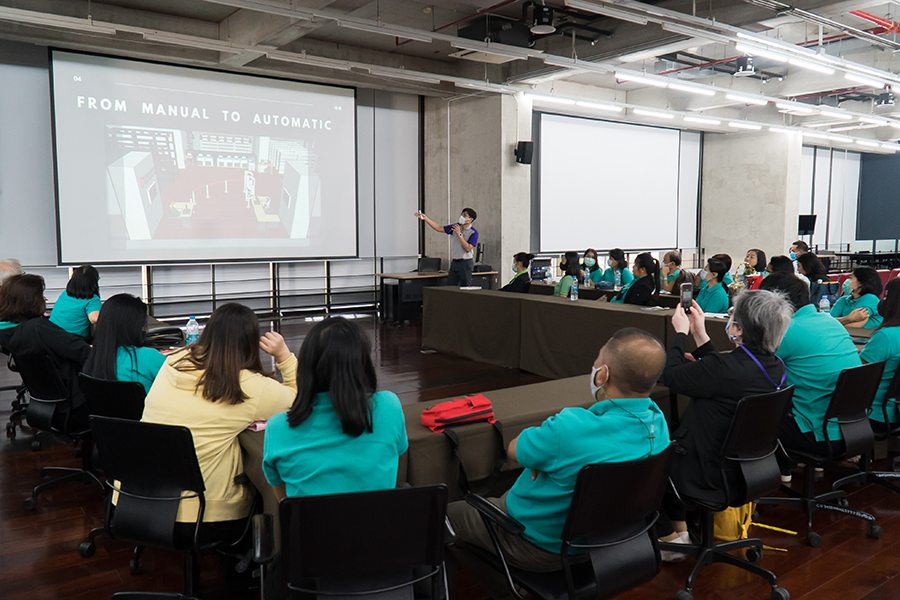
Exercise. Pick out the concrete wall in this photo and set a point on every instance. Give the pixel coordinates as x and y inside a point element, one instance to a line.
<point>750,193</point>
<point>480,133</point>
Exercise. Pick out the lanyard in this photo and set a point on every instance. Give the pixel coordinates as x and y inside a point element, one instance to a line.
<point>783,375</point>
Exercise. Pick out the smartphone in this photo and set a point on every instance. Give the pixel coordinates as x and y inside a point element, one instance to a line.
<point>687,296</point>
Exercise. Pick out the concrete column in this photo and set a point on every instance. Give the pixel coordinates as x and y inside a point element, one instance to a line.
<point>472,139</point>
<point>750,193</point>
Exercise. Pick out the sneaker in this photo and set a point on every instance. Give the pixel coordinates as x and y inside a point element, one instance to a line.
<point>786,476</point>
<point>670,556</point>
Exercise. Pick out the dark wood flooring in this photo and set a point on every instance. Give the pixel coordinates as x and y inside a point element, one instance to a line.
<point>38,558</point>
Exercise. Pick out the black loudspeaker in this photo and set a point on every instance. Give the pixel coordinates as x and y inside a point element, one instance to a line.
<point>806,225</point>
<point>523,152</point>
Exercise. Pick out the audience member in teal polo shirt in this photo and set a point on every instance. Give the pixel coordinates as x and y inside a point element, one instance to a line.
<point>713,298</point>
<point>860,308</point>
<point>340,435</point>
<point>118,352</point>
<point>815,350</point>
<point>624,425</point>
<point>617,262</point>
<point>78,306</point>
<point>590,267</point>
<point>885,345</point>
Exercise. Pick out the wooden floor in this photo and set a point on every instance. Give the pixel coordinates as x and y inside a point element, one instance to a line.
<point>38,558</point>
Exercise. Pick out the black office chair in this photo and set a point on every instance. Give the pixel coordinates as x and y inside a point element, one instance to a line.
<point>849,408</point>
<point>19,405</point>
<point>749,450</point>
<point>117,399</point>
<point>48,410</point>
<point>864,473</point>
<point>152,468</point>
<point>615,527</point>
<point>365,543</point>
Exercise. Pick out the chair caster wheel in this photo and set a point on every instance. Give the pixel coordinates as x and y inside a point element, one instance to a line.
<point>87,549</point>
<point>814,539</point>
<point>754,554</point>
<point>780,594</point>
<point>843,503</point>
<point>683,595</point>
<point>35,446</point>
<point>875,532</point>
<point>135,566</point>
<point>28,504</point>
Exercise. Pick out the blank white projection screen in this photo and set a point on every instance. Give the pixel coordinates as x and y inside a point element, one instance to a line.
<point>607,185</point>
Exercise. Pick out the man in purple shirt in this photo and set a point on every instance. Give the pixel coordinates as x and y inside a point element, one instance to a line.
<point>462,254</point>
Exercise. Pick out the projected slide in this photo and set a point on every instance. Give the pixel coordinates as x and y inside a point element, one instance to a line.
<point>159,163</point>
<point>607,185</point>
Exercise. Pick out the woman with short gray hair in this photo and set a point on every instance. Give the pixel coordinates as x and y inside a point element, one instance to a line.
<point>716,381</point>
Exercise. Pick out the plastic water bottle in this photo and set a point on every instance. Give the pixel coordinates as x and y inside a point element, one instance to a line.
<point>587,279</point>
<point>825,305</point>
<point>573,291</point>
<point>192,331</point>
<point>618,285</point>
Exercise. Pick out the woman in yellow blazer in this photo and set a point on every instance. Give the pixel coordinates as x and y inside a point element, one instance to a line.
<point>216,387</point>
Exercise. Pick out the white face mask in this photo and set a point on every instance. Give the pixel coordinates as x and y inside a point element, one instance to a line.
<point>703,275</point>
<point>462,220</point>
<point>594,387</point>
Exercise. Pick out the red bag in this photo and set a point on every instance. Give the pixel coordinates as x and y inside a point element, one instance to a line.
<point>471,409</point>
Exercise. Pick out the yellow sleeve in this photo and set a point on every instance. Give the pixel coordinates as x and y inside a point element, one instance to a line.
<point>276,397</point>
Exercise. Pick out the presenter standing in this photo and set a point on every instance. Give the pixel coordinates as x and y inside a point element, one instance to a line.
<point>462,249</point>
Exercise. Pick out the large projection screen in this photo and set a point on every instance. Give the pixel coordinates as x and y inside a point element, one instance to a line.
<point>607,185</point>
<point>156,163</point>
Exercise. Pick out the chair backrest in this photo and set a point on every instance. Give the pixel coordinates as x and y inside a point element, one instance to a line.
<point>41,377</point>
<point>751,442</point>
<point>119,399</point>
<point>885,275</point>
<point>849,407</point>
<point>891,400</point>
<point>619,520</point>
<point>151,465</point>
<point>349,539</point>
<point>429,264</point>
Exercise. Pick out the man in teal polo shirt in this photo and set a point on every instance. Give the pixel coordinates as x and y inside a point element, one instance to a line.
<point>623,425</point>
<point>815,349</point>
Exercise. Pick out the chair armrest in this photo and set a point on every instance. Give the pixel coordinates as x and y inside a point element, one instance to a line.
<point>263,538</point>
<point>497,516</point>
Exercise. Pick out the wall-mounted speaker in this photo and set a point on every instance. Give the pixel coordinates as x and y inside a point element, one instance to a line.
<point>523,152</point>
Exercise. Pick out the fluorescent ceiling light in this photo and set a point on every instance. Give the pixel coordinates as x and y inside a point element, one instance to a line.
<point>703,120</point>
<point>30,17</point>
<point>607,12</point>
<point>782,130</point>
<point>869,143</point>
<point>874,121</point>
<point>834,114</point>
<point>760,53</point>
<point>747,99</point>
<point>811,66</point>
<point>573,64</point>
<point>816,136</point>
<point>554,99</point>
<point>694,32</point>
<point>742,125</point>
<point>496,49</point>
<point>691,89</point>
<point>597,106</point>
<point>864,80</point>
<point>891,147</point>
<point>895,124</point>
<point>650,113</point>
<point>391,30</point>
<point>850,127</point>
<point>661,83</point>
<point>795,107</point>
<point>313,61</point>
<point>403,74</point>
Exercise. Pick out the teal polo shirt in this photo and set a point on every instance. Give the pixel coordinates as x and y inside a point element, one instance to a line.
<point>317,457</point>
<point>620,298</point>
<point>7,324</point>
<point>610,276</point>
<point>815,350</point>
<point>609,431</point>
<point>884,345</point>
<point>847,304</point>
<point>673,276</point>
<point>71,314</point>
<point>597,275</point>
<point>563,286</point>
<point>712,300</point>
<point>728,278</point>
<point>138,364</point>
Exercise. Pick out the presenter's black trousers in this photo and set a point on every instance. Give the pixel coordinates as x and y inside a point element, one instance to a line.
<point>461,272</point>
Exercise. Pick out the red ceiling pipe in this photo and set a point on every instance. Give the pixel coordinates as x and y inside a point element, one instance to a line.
<point>890,26</point>
<point>463,20</point>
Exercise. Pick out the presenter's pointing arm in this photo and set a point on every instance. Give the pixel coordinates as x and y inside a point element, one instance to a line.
<point>432,224</point>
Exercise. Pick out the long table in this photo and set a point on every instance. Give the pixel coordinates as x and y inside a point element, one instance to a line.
<point>401,301</point>
<point>550,336</point>
<point>545,289</point>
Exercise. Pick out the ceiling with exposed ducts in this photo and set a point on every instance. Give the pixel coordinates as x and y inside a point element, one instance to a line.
<point>820,67</point>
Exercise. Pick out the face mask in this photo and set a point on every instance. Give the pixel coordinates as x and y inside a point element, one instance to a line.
<point>793,256</point>
<point>462,220</point>
<point>608,262</point>
<point>703,275</point>
<point>589,262</point>
<point>594,387</point>
<point>515,270</point>
<point>845,288</point>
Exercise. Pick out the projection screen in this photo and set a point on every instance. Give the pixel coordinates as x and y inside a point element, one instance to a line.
<point>607,185</point>
<point>157,163</point>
